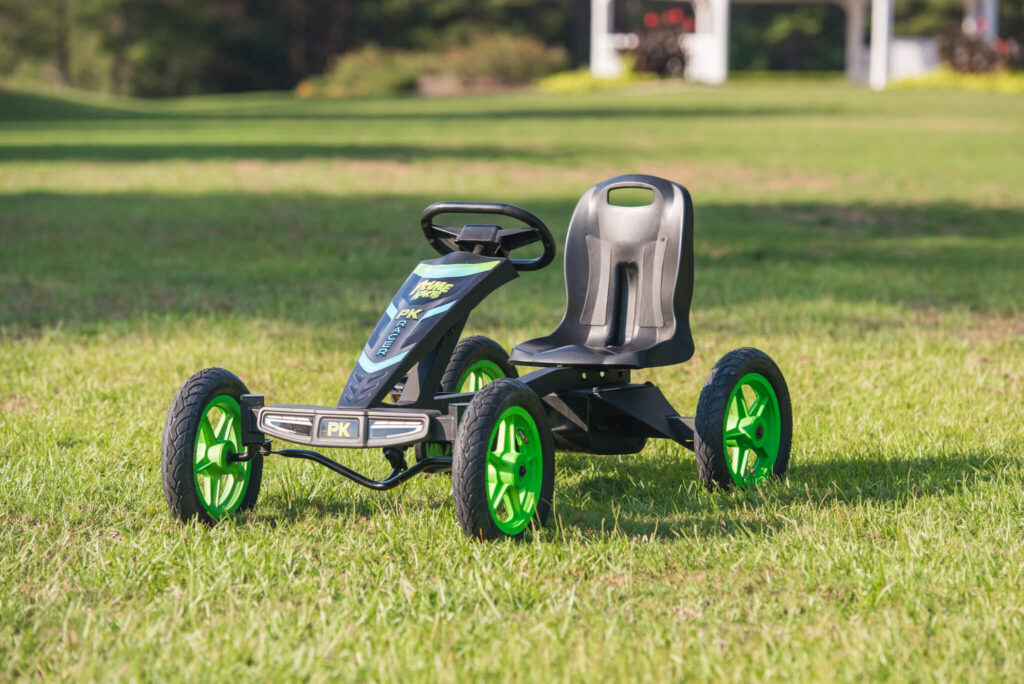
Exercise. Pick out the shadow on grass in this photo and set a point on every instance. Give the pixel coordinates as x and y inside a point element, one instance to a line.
<point>32,107</point>
<point>278,509</point>
<point>641,498</point>
<point>269,152</point>
<point>647,497</point>
<point>334,262</point>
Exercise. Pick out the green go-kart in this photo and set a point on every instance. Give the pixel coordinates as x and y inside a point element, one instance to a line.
<point>461,404</point>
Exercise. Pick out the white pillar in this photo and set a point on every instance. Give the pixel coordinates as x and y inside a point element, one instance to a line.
<point>720,30</point>
<point>990,19</point>
<point>707,48</point>
<point>881,41</point>
<point>855,10</point>
<point>604,60</point>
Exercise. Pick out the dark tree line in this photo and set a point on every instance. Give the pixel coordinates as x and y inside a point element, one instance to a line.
<point>171,47</point>
<point>165,47</point>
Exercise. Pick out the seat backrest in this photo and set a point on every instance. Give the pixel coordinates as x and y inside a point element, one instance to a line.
<point>629,272</point>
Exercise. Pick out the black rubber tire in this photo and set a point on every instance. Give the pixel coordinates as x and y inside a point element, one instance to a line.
<point>178,445</point>
<point>709,440</point>
<point>467,352</point>
<point>469,467</point>
<point>470,350</point>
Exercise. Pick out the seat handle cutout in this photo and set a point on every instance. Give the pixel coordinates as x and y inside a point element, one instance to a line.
<point>631,196</point>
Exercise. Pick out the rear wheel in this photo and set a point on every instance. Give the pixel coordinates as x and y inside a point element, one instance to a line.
<point>476,361</point>
<point>744,423</point>
<point>203,431</point>
<point>503,472</point>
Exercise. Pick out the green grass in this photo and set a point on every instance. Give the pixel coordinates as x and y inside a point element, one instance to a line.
<point>873,244</point>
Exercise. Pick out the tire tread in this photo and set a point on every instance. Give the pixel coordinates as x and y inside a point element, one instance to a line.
<point>176,446</point>
<point>709,440</point>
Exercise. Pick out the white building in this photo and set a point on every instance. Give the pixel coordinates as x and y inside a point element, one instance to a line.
<point>707,48</point>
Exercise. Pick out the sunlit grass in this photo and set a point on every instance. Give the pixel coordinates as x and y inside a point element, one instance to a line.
<point>872,244</point>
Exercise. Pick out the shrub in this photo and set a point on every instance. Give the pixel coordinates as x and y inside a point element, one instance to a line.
<point>975,54</point>
<point>487,61</point>
<point>947,79</point>
<point>660,51</point>
<point>502,59</point>
<point>370,70</point>
<point>582,81</point>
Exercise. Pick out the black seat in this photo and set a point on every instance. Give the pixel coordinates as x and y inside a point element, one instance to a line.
<point>628,282</point>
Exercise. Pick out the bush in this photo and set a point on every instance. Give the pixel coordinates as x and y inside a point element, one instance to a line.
<point>370,70</point>
<point>582,81</point>
<point>487,61</point>
<point>659,51</point>
<point>947,79</point>
<point>503,60</point>
<point>975,54</point>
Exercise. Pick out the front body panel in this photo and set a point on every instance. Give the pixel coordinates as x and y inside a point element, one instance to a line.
<point>435,298</point>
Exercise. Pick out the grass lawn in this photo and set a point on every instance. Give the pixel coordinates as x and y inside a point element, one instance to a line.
<point>873,244</point>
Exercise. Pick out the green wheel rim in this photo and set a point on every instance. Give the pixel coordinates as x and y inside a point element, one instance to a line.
<point>221,484</point>
<point>515,470</point>
<point>753,430</point>
<point>479,374</point>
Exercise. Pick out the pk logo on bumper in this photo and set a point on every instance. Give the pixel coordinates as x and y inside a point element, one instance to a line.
<point>339,428</point>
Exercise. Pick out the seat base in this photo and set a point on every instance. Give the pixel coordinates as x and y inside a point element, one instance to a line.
<point>553,351</point>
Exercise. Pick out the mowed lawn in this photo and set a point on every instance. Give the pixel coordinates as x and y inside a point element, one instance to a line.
<point>873,244</point>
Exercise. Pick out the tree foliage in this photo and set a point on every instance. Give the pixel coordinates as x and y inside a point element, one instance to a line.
<point>170,47</point>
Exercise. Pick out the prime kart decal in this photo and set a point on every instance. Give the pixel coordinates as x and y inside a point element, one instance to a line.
<point>430,289</point>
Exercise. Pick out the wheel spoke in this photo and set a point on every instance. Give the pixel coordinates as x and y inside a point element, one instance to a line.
<point>759,405</point>
<point>205,466</point>
<point>497,496</point>
<point>508,439</point>
<point>499,440</point>
<point>494,458</point>
<point>214,489</point>
<point>207,430</point>
<point>512,504</point>
<point>224,429</point>
<point>740,460</point>
<point>741,403</point>
<point>733,435</point>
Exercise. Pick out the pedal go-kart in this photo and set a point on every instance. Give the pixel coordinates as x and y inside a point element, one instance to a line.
<point>460,404</point>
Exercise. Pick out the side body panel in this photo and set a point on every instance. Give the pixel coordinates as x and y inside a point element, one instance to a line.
<point>434,300</point>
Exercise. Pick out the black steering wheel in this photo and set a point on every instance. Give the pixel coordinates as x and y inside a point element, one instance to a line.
<point>488,240</point>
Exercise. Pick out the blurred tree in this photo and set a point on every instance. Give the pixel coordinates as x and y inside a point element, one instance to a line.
<point>807,37</point>
<point>167,47</point>
<point>27,30</point>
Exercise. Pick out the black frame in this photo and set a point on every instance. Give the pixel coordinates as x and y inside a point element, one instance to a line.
<point>590,409</point>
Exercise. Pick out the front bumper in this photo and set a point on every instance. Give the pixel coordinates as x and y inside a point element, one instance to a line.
<point>350,427</point>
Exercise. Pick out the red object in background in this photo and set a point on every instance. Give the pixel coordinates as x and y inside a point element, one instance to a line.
<point>689,25</point>
<point>651,20</point>
<point>674,15</point>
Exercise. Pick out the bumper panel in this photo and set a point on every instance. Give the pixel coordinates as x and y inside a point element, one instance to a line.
<point>350,428</point>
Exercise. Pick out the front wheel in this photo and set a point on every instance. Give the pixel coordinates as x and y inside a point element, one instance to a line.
<point>476,361</point>
<point>744,423</point>
<point>503,468</point>
<point>202,481</point>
